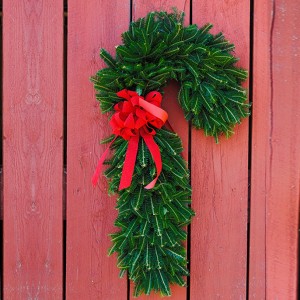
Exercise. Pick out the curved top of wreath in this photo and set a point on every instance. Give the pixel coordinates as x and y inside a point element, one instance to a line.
<point>158,48</point>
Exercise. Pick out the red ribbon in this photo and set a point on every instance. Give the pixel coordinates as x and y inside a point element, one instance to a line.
<point>131,120</point>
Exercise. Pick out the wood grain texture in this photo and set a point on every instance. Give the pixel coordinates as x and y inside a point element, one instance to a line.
<point>275,151</point>
<point>91,274</point>
<point>220,179</point>
<point>176,118</point>
<point>32,140</point>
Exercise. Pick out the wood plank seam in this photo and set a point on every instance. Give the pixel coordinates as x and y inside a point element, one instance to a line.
<point>189,227</point>
<point>251,48</point>
<point>65,132</point>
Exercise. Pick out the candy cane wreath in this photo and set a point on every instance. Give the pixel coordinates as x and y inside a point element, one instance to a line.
<point>146,169</point>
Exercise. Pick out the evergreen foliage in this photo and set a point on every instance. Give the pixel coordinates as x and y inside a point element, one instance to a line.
<point>158,48</point>
<point>155,49</point>
<point>149,243</point>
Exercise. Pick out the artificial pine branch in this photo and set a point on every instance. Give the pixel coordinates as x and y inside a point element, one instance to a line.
<point>149,242</point>
<point>158,48</point>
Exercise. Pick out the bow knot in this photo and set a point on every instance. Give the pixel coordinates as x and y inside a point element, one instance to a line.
<point>136,113</point>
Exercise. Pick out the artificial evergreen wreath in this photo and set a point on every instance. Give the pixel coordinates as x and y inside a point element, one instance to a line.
<point>147,170</point>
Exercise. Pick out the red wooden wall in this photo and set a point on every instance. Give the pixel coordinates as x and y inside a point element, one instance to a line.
<point>243,242</point>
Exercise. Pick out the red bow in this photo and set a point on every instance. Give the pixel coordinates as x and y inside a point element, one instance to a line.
<point>130,121</point>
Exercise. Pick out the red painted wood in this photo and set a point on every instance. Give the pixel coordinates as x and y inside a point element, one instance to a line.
<point>220,180</point>
<point>32,140</point>
<point>90,211</point>
<point>275,151</point>
<point>170,104</point>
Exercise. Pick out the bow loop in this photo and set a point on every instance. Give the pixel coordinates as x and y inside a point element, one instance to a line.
<point>154,97</point>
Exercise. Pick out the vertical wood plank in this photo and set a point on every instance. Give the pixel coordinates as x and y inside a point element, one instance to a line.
<point>140,8</point>
<point>220,179</point>
<point>32,140</point>
<point>275,151</point>
<point>90,211</point>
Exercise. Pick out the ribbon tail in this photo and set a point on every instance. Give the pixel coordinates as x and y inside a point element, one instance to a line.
<point>155,152</point>
<point>100,164</point>
<point>129,163</point>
